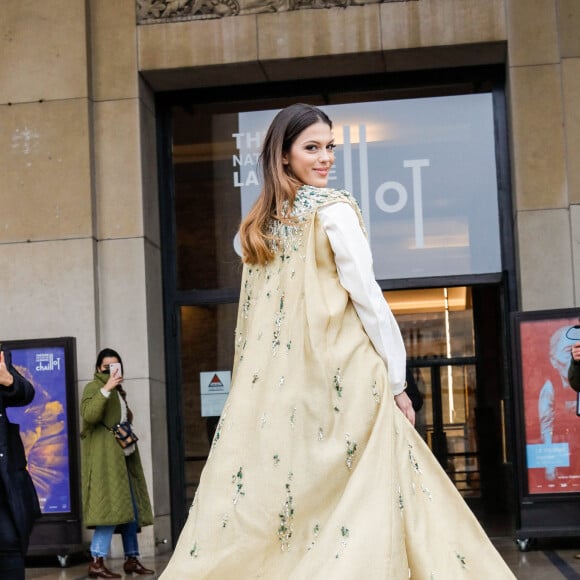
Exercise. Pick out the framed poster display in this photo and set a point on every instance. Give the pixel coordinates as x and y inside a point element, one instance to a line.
<point>547,423</point>
<point>49,432</point>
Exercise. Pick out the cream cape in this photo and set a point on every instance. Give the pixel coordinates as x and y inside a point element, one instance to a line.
<point>314,473</point>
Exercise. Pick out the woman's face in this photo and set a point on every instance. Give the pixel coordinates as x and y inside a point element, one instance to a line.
<point>104,368</point>
<point>312,155</point>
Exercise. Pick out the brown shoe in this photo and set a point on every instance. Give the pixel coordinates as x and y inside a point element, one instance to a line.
<point>133,566</point>
<point>97,569</point>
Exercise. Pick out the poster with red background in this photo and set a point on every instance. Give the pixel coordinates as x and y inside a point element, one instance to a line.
<point>552,427</point>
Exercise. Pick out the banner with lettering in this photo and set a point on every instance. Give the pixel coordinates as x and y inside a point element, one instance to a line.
<point>44,424</point>
<point>423,172</point>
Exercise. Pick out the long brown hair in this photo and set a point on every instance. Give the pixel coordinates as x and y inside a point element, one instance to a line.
<point>280,185</point>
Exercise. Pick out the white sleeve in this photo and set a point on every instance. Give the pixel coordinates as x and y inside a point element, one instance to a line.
<point>354,264</point>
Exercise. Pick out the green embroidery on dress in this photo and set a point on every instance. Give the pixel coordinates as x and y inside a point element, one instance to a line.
<point>218,430</point>
<point>194,552</point>
<point>225,520</point>
<point>263,420</point>
<point>287,236</point>
<point>315,532</point>
<point>413,461</point>
<point>350,451</point>
<point>344,532</point>
<point>282,381</point>
<point>427,492</point>
<point>375,392</point>
<point>238,485</point>
<point>247,303</point>
<point>286,516</point>
<point>337,381</point>
<point>276,459</point>
<point>293,418</point>
<point>278,326</point>
<point>320,434</point>
<point>255,378</point>
<point>461,559</point>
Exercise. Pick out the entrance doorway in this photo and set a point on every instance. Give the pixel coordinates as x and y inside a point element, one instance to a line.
<point>455,349</point>
<point>453,341</point>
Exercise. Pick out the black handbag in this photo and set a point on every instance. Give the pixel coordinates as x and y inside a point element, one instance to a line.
<point>124,434</point>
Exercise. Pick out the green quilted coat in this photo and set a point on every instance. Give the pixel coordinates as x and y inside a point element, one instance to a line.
<point>105,470</point>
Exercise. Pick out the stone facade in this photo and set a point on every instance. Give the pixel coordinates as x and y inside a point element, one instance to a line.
<point>79,231</point>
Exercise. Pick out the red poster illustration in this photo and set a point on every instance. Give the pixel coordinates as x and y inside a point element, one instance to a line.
<point>552,428</point>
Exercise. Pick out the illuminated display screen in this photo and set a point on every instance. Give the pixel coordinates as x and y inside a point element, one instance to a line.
<point>44,424</point>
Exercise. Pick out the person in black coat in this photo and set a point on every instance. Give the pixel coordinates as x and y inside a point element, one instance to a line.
<point>19,506</point>
<point>413,391</point>
<point>574,369</point>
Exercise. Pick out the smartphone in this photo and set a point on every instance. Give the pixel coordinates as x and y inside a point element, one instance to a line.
<point>115,370</point>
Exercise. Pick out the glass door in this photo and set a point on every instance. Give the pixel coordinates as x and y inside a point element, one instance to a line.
<point>437,326</point>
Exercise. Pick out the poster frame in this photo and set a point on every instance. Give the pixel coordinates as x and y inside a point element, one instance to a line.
<point>60,533</point>
<point>547,514</point>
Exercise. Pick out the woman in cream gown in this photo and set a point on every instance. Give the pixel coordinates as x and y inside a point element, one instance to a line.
<point>316,471</point>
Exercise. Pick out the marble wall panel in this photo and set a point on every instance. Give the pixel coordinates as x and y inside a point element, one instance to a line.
<point>533,32</point>
<point>45,171</point>
<point>197,44</point>
<point>545,259</point>
<point>43,50</point>
<point>571,90</point>
<point>538,163</point>
<point>149,170</point>
<point>431,23</point>
<point>307,33</point>
<point>122,302</point>
<point>117,147</point>
<point>569,27</point>
<point>48,290</point>
<point>575,226</point>
<point>113,49</point>
<point>159,446</point>
<point>154,297</point>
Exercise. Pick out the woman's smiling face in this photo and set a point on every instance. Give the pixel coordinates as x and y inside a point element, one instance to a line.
<point>311,155</point>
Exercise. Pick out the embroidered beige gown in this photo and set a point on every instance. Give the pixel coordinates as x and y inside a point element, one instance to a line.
<point>314,473</point>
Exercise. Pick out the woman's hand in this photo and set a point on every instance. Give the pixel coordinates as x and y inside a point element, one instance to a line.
<point>404,403</point>
<point>6,379</point>
<point>113,382</point>
<point>576,352</point>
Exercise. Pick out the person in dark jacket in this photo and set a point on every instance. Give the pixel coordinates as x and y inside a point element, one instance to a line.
<point>574,369</point>
<point>413,391</point>
<point>19,506</point>
<point>574,379</point>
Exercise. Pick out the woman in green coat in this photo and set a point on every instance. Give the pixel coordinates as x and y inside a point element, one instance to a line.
<point>115,494</point>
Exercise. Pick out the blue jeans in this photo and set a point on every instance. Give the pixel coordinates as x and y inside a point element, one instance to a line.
<point>103,535</point>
